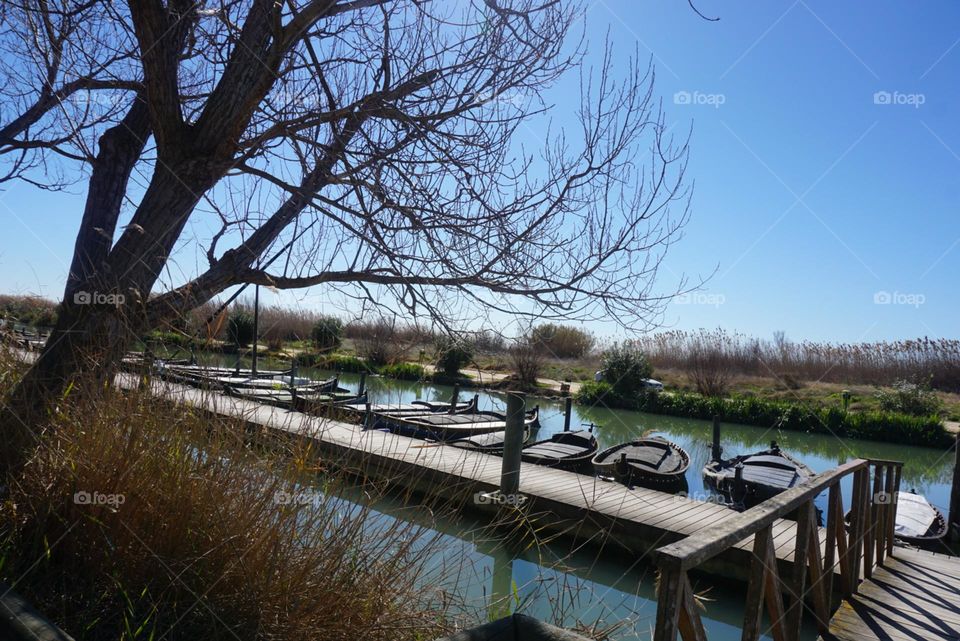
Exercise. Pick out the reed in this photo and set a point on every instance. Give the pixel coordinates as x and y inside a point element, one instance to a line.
<point>138,519</point>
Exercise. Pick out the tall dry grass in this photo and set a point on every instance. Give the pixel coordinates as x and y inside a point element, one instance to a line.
<point>936,361</point>
<point>136,519</point>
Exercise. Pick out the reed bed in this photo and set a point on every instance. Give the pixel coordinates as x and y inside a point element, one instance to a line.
<point>924,360</point>
<point>137,519</point>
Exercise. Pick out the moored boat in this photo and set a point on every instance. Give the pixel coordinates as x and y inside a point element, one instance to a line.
<point>448,427</point>
<point>413,408</point>
<point>752,478</point>
<point>652,462</point>
<point>572,451</point>
<point>918,522</point>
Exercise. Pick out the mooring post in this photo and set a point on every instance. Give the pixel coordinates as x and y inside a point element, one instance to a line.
<point>293,372</point>
<point>363,383</point>
<point>716,451</point>
<point>567,410</point>
<point>453,399</point>
<point>512,444</point>
<point>367,415</point>
<point>953,518</point>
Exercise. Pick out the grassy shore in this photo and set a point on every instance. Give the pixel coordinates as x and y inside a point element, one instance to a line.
<point>138,520</point>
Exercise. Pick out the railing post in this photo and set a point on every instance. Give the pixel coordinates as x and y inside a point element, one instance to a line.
<point>668,605</point>
<point>953,518</point>
<point>893,485</point>
<point>512,444</point>
<point>880,500</point>
<point>856,530</point>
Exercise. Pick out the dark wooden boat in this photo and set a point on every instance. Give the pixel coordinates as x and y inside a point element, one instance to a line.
<point>490,442</point>
<point>572,451</point>
<point>448,427</point>
<point>287,399</point>
<point>752,478</point>
<point>413,408</point>
<point>918,522</point>
<point>221,378</point>
<point>652,462</point>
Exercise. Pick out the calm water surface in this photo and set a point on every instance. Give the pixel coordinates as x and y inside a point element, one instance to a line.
<point>586,586</point>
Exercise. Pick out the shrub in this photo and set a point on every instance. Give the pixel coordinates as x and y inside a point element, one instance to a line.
<point>452,355</point>
<point>334,362</point>
<point>380,344</point>
<point>625,367</point>
<point>240,328</point>
<point>527,360</point>
<point>404,371</point>
<point>594,392</point>
<point>327,333</point>
<point>910,398</point>
<point>562,341</point>
<point>709,368</point>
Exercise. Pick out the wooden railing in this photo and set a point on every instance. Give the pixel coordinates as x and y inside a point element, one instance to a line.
<point>853,549</point>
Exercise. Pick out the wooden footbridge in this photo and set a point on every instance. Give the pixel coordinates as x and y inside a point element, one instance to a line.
<point>793,567</point>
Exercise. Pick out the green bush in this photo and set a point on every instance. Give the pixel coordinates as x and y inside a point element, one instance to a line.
<point>625,367</point>
<point>452,355</point>
<point>327,333</point>
<point>334,362</point>
<point>404,371</point>
<point>562,341</point>
<point>592,393</point>
<point>909,398</point>
<point>240,328</point>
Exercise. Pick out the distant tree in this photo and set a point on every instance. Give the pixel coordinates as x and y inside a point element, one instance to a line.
<point>370,143</point>
<point>625,368</point>
<point>562,341</point>
<point>452,356</point>
<point>327,333</point>
<point>241,329</point>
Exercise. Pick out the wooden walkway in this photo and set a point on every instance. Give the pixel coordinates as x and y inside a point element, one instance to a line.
<point>914,595</point>
<point>581,506</point>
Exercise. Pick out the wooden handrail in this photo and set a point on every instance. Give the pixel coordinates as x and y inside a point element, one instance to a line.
<point>852,551</point>
<point>699,548</point>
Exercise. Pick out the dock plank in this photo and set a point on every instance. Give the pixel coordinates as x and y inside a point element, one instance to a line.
<point>641,518</point>
<point>915,595</point>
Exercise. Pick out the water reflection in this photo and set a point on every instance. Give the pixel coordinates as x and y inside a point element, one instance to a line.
<point>589,586</point>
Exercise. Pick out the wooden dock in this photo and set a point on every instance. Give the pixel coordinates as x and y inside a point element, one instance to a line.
<point>884,592</point>
<point>914,595</point>
<point>587,508</point>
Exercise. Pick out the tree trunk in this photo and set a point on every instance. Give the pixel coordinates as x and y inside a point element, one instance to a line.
<point>86,345</point>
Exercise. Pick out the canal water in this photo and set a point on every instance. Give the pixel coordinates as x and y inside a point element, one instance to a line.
<point>592,587</point>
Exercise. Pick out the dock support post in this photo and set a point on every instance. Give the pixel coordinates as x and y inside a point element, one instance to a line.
<point>453,399</point>
<point>293,373</point>
<point>363,384</point>
<point>568,409</point>
<point>953,518</point>
<point>512,444</point>
<point>716,451</point>
<point>367,416</point>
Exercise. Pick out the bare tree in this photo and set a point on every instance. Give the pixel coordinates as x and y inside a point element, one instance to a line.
<point>366,145</point>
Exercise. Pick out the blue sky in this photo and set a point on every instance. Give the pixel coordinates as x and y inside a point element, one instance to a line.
<point>821,207</point>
